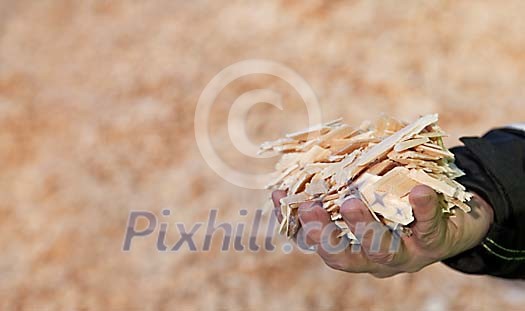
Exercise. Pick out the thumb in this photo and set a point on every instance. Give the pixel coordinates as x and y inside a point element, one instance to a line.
<point>427,213</point>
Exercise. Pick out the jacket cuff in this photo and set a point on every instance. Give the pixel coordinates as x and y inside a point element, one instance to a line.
<point>494,167</point>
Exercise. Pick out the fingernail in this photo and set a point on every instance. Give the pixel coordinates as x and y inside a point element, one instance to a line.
<point>349,199</point>
<point>303,210</point>
<point>422,200</point>
<point>308,207</point>
<point>348,206</point>
<point>301,215</point>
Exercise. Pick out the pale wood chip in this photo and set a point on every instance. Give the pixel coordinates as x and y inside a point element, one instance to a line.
<point>332,208</point>
<point>409,154</point>
<point>295,198</point>
<point>315,154</point>
<point>315,167</point>
<point>432,134</point>
<point>365,126</point>
<point>338,145</point>
<point>453,171</point>
<point>349,235</point>
<point>334,168</point>
<point>300,182</point>
<point>390,206</point>
<point>340,178</point>
<point>411,143</point>
<point>341,224</point>
<point>356,145</point>
<point>388,143</point>
<point>270,145</point>
<point>455,202</point>
<point>434,145</point>
<point>387,124</point>
<point>284,224</point>
<point>283,175</point>
<point>436,184</point>
<point>317,187</point>
<point>314,131</point>
<point>330,197</point>
<point>463,196</point>
<point>334,122</point>
<point>336,158</point>
<point>327,204</point>
<point>288,148</point>
<point>287,160</point>
<point>336,216</point>
<point>435,152</point>
<point>396,182</point>
<point>340,132</point>
<point>310,133</point>
<point>413,163</point>
<point>307,145</point>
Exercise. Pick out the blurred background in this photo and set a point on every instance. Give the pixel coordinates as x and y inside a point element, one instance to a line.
<point>97,102</point>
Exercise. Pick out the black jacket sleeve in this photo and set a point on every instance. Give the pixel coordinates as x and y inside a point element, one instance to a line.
<point>495,169</point>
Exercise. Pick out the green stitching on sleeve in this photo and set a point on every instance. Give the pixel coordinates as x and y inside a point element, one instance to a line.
<point>503,248</point>
<point>501,256</point>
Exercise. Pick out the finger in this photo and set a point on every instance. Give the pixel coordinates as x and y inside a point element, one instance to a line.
<point>276,197</point>
<point>377,242</point>
<point>429,223</point>
<point>278,214</point>
<point>313,219</point>
<point>355,212</point>
<point>323,233</point>
<point>424,202</point>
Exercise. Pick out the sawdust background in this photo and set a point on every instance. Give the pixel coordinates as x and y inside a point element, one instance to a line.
<point>97,101</point>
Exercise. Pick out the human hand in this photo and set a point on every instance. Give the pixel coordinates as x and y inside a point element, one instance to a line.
<point>434,237</point>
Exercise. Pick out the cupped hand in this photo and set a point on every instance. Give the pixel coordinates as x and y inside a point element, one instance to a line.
<point>382,252</point>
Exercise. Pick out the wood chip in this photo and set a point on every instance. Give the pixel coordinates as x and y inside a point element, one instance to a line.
<point>431,150</point>
<point>381,167</point>
<point>378,163</point>
<point>384,146</point>
<point>295,198</point>
<point>396,182</point>
<point>436,184</point>
<point>315,154</point>
<point>317,187</point>
<point>411,143</point>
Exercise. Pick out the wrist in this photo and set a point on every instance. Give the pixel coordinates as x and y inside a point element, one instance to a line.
<point>474,225</point>
<point>486,216</point>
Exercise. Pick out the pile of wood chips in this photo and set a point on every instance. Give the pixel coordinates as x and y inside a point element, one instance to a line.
<point>378,163</point>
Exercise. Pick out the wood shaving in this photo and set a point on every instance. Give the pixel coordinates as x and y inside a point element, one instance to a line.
<point>378,163</point>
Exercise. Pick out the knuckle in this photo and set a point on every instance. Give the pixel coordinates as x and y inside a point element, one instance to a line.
<point>385,258</point>
<point>430,237</point>
<point>426,239</point>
